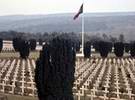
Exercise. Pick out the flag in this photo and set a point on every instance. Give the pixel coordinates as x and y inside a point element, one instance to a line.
<point>79,12</point>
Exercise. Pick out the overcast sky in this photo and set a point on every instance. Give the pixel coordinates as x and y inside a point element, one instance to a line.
<point>13,7</point>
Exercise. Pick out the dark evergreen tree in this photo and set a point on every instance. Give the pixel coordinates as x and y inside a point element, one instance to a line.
<point>104,48</point>
<point>33,44</point>
<point>54,74</point>
<point>1,44</point>
<point>77,46</point>
<point>87,49</point>
<point>119,49</point>
<point>132,49</point>
<point>43,68</point>
<point>24,49</point>
<point>16,43</point>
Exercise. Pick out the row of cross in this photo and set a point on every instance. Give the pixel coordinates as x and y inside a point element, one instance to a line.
<point>109,78</point>
<point>17,77</point>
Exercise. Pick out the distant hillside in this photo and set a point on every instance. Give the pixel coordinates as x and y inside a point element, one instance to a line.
<point>109,23</point>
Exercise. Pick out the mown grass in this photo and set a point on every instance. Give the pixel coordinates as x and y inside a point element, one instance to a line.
<point>17,97</point>
<point>33,55</point>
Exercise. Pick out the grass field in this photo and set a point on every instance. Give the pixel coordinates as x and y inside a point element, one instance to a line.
<point>17,97</point>
<point>34,55</point>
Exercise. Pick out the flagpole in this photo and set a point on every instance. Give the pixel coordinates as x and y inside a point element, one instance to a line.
<point>83,30</point>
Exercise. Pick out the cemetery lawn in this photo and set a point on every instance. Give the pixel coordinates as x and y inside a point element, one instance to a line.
<point>17,97</point>
<point>34,55</point>
<point>15,55</point>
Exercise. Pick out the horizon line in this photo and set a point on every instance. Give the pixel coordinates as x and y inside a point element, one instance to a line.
<point>66,13</point>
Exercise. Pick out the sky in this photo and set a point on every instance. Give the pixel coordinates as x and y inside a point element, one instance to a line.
<point>16,7</point>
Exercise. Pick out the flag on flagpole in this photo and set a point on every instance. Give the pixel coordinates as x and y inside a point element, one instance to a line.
<point>79,12</point>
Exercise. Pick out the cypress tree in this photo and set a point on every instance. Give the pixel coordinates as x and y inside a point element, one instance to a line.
<point>54,73</point>
<point>24,49</point>
<point>16,43</point>
<point>87,49</point>
<point>132,49</point>
<point>104,48</point>
<point>1,44</point>
<point>32,44</point>
<point>119,49</point>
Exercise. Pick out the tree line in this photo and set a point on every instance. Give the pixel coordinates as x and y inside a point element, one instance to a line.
<point>24,47</point>
<point>103,44</point>
<point>104,48</point>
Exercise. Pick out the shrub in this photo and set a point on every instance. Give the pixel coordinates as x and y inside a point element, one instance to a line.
<point>32,44</point>
<point>119,49</point>
<point>24,49</point>
<point>16,43</point>
<point>132,49</point>
<point>104,48</point>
